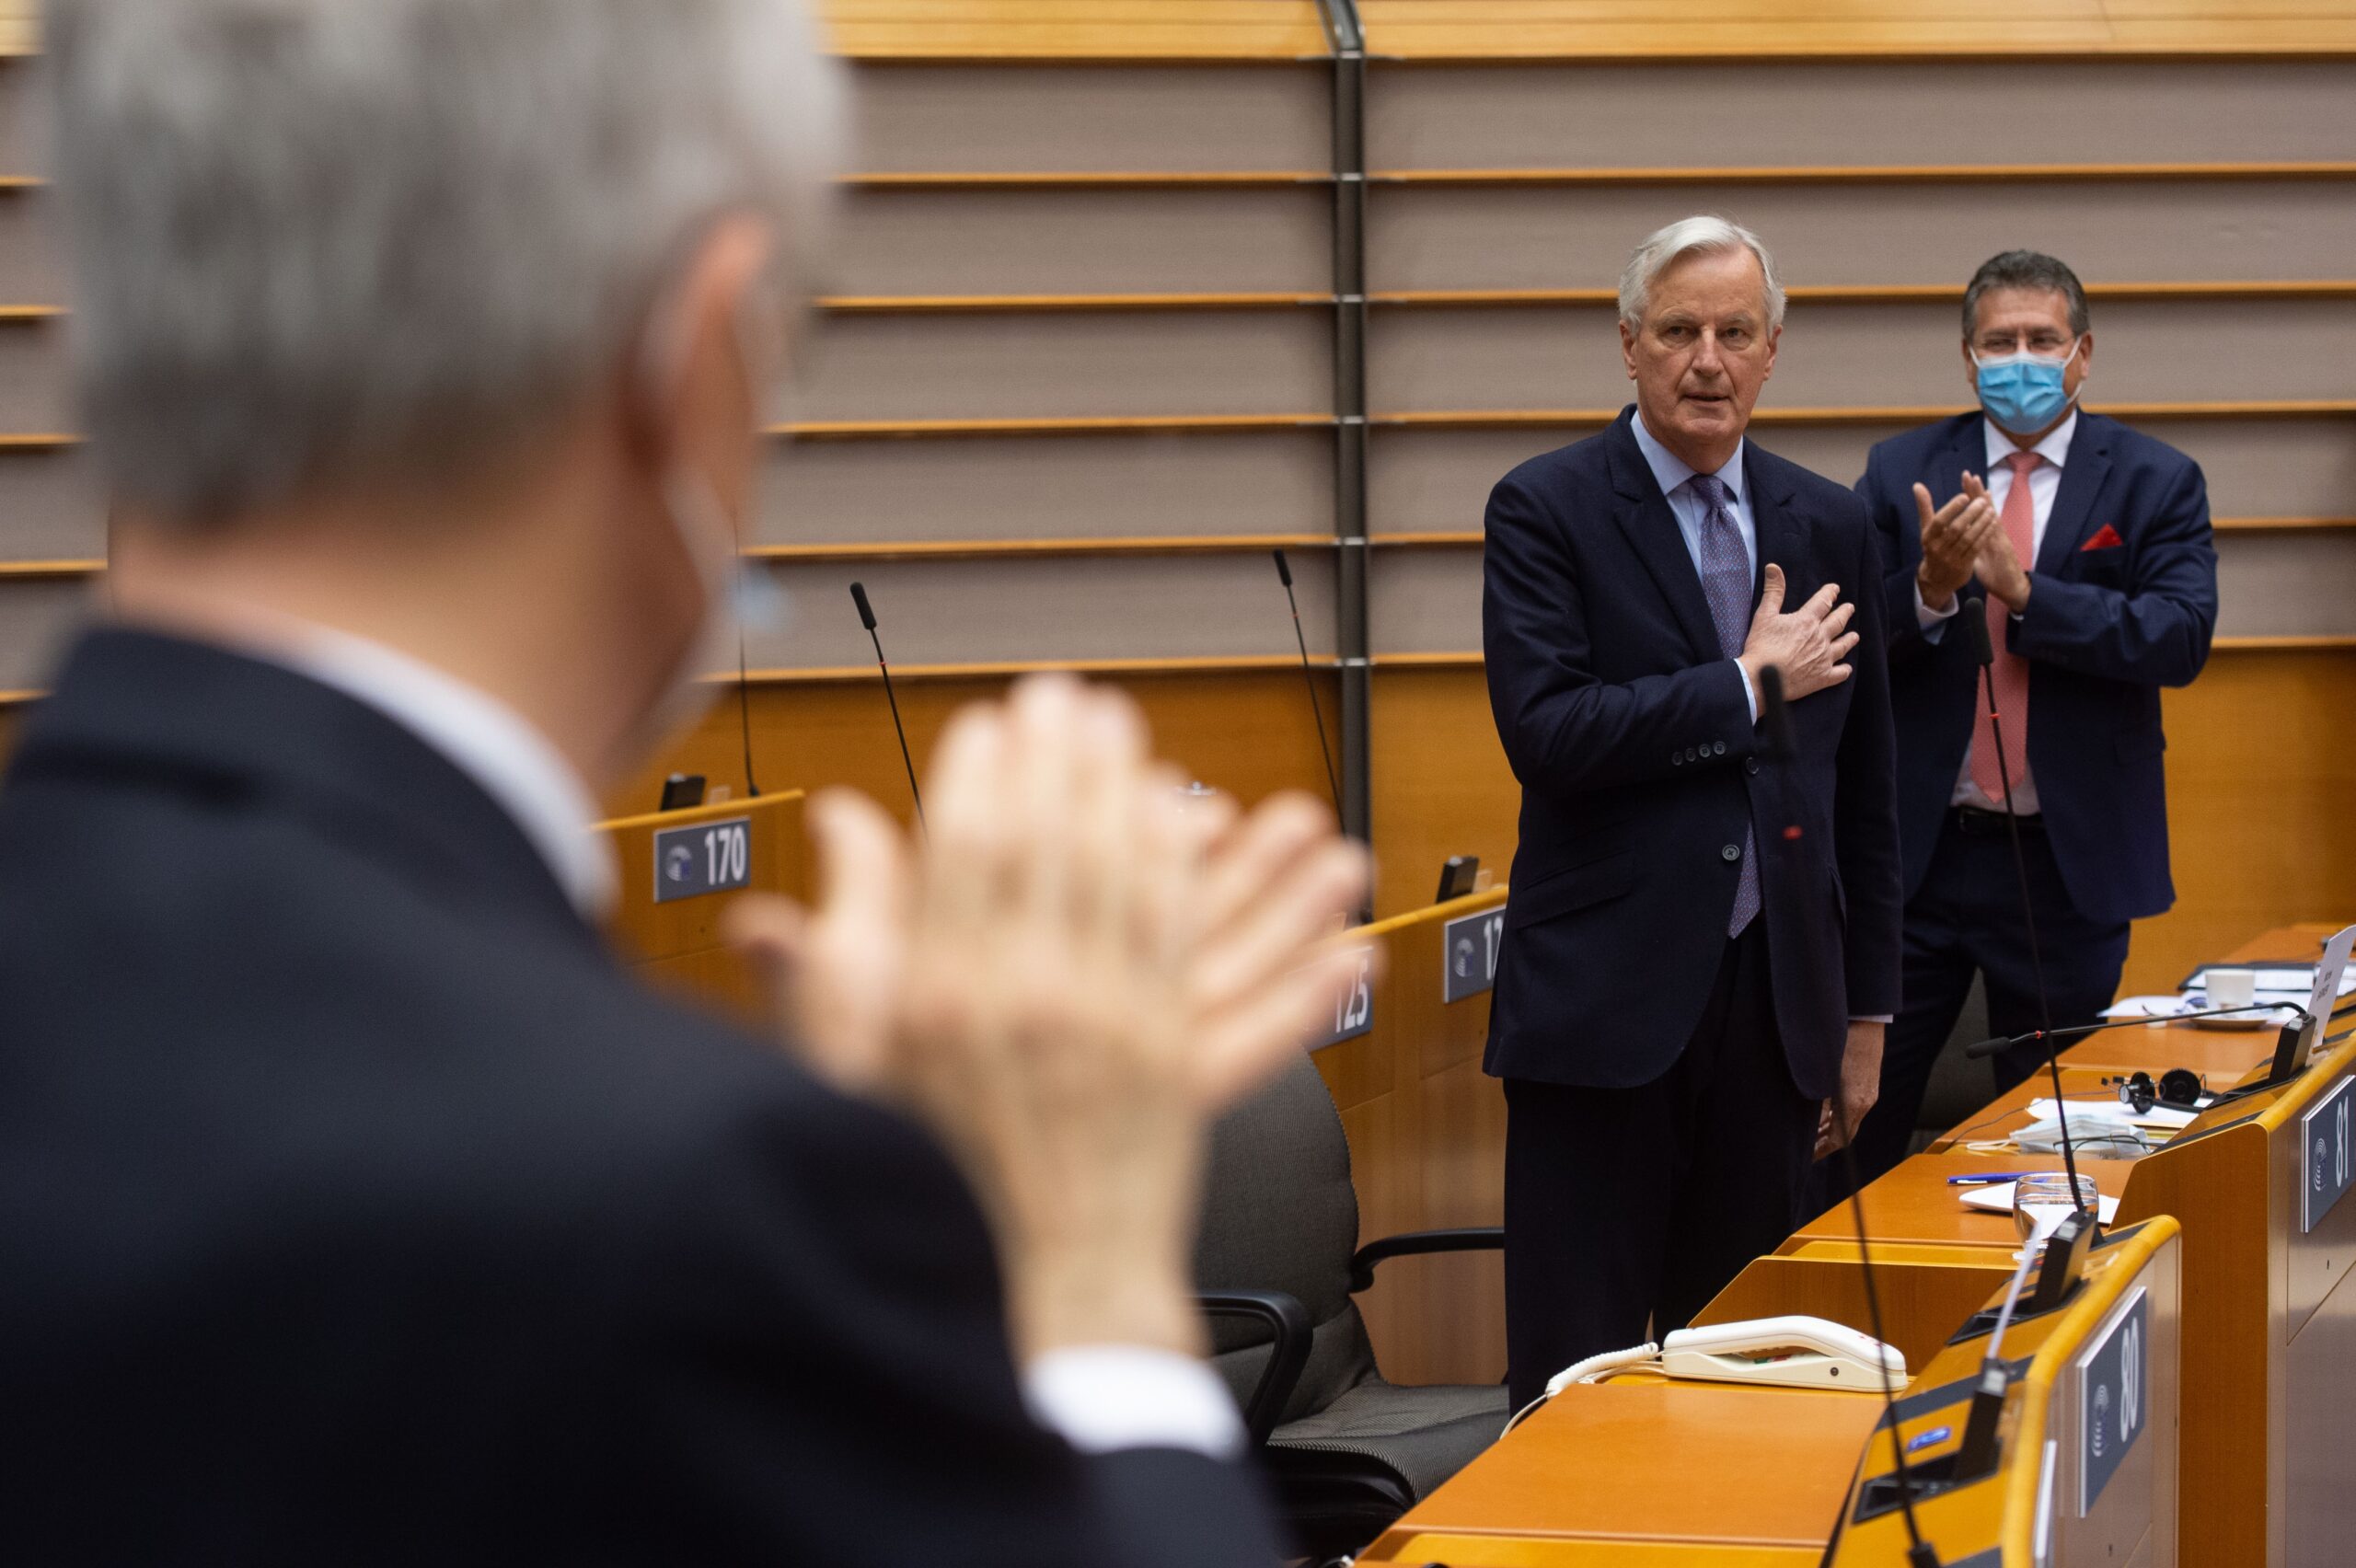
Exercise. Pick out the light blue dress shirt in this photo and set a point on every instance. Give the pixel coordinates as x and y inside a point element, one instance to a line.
<point>1671,472</point>
<point>1686,505</point>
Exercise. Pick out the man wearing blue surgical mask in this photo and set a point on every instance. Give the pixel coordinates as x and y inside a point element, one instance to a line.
<point>2086,545</point>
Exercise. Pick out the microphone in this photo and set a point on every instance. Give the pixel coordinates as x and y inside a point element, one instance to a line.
<point>1979,1049</point>
<point>1775,723</point>
<point>1974,615</point>
<point>1308,678</point>
<point>745,713</point>
<point>867,619</point>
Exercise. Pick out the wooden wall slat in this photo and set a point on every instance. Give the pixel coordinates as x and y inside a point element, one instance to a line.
<point>1011,117</point>
<point>1443,237</point>
<point>1083,241</point>
<point>2145,351</point>
<point>2013,111</point>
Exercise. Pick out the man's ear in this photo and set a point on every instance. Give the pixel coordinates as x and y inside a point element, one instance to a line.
<point>695,395</point>
<point>1628,349</point>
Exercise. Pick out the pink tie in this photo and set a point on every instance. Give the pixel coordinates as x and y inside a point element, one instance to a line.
<point>2010,670</point>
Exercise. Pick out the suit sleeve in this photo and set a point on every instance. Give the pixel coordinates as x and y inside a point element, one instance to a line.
<point>2155,632</point>
<point>1565,729</point>
<point>1889,513</point>
<point>820,1373</point>
<point>1865,821</point>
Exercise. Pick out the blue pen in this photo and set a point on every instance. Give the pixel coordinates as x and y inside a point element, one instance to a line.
<point>1988,1178</point>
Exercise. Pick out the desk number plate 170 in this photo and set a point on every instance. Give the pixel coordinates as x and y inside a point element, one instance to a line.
<point>704,856</point>
<point>2330,1158</point>
<point>1467,954</point>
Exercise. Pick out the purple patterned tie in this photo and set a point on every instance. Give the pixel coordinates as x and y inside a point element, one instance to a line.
<point>1725,582</point>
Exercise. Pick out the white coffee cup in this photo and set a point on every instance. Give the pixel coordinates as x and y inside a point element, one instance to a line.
<point>2232,987</point>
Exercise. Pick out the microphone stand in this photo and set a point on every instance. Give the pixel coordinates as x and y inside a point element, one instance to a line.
<point>867,619</point>
<point>1975,617</point>
<point>1308,678</point>
<point>1776,720</point>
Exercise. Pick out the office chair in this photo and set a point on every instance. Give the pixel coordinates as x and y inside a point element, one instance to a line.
<point>1346,1451</point>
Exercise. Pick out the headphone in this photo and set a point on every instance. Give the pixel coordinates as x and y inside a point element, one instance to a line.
<point>2179,1088</point>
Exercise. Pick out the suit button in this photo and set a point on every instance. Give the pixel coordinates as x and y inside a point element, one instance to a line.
<point>1750,764</point>
<point>1731,852</point>
<point>1693,754</point>
<point>1676,759</point>
<point>1719,749</point>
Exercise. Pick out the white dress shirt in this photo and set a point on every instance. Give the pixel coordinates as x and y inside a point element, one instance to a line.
<point>1098,1397</point>
<point>1685,503</point>
<point>2044,484</point>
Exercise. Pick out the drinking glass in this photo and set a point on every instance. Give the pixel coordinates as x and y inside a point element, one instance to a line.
<point>2041,1201</point>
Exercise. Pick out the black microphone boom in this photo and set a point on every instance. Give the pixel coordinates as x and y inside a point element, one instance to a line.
<point>867,619</point>
<point>1975,619</point>
<point>1980,1048</point>
<point>1333,780</point>
<point>1775,722</point>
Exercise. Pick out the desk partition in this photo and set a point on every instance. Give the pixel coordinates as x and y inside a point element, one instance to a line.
<point>1426,1129</point>
<point>679,873</point>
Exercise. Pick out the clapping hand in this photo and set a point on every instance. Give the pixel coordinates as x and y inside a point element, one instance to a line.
<point>1953,538</point>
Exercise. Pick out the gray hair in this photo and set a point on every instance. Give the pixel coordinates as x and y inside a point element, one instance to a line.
<point>2026,270</point>
<point>319,241</point>
<point>1698,236</point>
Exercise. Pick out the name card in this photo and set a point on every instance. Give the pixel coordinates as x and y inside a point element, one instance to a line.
<point>705,857</point>
<point>2114,1379</point>
<point>1469,947</point>
<point>2323,1132</point>
<point>1354,1011</point>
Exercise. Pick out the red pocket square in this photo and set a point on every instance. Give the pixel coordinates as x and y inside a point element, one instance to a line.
<point>2106,538</point>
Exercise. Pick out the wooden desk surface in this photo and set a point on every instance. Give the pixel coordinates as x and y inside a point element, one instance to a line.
<point>1623,1462</point>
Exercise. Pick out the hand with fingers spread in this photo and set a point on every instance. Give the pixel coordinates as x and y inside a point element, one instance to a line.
<point>1809,645</point>
<point>1999,568</point>
<point>1074,972</point>
<point>1952,539</point>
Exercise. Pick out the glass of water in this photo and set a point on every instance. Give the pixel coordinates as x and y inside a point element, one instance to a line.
<point>2041,1201</point>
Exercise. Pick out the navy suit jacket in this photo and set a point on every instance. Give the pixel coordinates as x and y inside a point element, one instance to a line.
<point>356,1207</point>
<point>1640,767</point>
<point>2108,625</point>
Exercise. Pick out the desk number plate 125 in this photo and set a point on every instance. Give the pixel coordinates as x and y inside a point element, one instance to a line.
<point>2322,1134</point>
<point>704,856</point>
<point>1354,1008</point>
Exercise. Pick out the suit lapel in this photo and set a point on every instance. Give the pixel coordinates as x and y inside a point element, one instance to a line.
<point>1965,451</point>
<point>1643,516</point>
<point>2073,504</point>
<point>1783,539</point>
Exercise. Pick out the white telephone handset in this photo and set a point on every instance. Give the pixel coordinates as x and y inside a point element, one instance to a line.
<point>1800,1351</point>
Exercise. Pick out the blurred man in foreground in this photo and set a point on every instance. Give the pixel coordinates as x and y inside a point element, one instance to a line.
<point>1702,941</point>
<point>2086,547</point>
<point>354,1205</point>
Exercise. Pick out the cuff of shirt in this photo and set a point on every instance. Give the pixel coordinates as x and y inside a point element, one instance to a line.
<point>1749,698</point>
<point>1931,621</point>
<point>1875,1017</point>
<point>1103,1398</point>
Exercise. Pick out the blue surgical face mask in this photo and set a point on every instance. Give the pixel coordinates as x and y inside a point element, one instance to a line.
<point>2022,392</point>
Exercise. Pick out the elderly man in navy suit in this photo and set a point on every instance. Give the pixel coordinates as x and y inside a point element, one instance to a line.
<point>2087,546</point>
<point>1702,941</point>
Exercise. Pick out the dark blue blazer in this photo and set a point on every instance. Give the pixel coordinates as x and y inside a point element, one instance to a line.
<point>2108,625</point>
<point>356,1207</point>
<point>1639,767</point>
